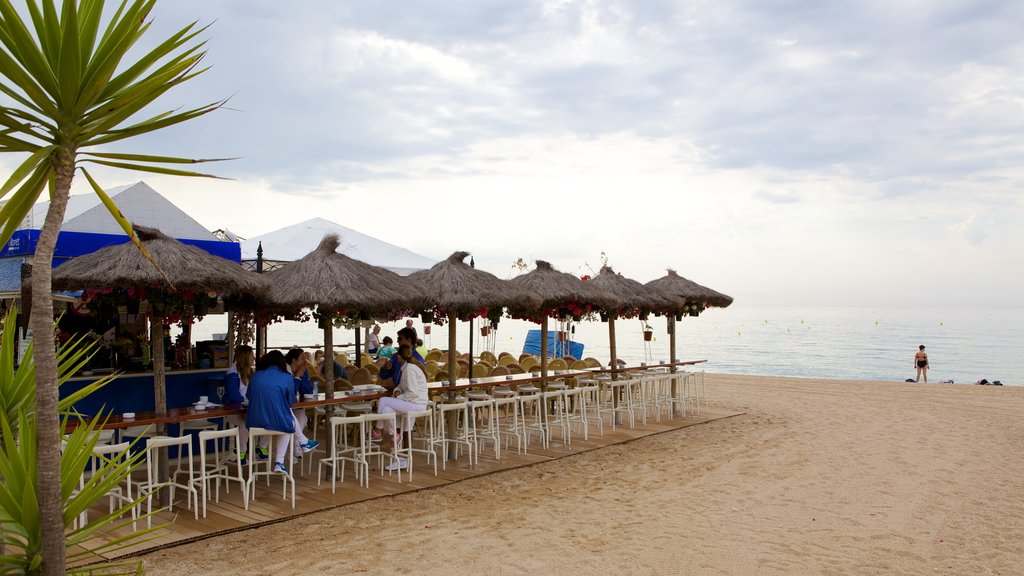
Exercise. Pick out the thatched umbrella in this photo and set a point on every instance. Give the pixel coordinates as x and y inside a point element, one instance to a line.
<point>454,289</point>
<point>336,284</point>
<point>560,293</point>
<point>697,298</point>
<point>635,300</point>
<point>183,269</point>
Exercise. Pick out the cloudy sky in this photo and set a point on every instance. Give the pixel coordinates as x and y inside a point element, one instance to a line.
<point>785,152</point>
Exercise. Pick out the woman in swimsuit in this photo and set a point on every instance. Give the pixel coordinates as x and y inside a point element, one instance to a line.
<point>921,363</point>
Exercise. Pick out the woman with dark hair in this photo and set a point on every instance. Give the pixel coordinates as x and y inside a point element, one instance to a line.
<point>271,394</point>
<point>409,396</point>
<point>921,363</point>
<point>299,368</point>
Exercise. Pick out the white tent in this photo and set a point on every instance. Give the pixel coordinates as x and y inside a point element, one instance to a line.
<point>138,202</point>
<point>293,242</point>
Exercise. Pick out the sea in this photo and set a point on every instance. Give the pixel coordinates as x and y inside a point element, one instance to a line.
<point>964,345</point>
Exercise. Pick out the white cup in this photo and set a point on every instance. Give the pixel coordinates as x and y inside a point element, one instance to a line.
<point>204,399</point>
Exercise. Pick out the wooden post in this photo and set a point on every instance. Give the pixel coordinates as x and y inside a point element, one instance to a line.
<point>544,352</point>
<point>156,337</point>
<point>452,421</point>
<point>672,360</point>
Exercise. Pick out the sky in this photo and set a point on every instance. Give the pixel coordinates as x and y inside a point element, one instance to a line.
<point>785,152</point>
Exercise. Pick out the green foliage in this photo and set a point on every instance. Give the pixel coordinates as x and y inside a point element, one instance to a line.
<point>19,511</point>
<point>71,91</point>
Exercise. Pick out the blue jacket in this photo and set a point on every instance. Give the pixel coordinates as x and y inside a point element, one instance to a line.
<point>395,372</point>
<point>339,370</point>
<point>303,385</point>
<point>271,394</point>
<point>233,388</point>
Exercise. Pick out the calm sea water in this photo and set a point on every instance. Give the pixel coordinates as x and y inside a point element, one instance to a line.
<point>963,344</point>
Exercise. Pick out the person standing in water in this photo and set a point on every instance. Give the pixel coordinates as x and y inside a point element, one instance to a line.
<point>921,363</point>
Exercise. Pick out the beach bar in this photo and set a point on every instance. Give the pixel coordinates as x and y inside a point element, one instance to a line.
<point>122,331</point>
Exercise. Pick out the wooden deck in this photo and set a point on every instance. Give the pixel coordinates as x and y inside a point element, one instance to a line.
<point>229,515</point>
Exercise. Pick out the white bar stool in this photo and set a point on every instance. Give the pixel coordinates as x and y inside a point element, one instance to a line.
<point>220,468</point>
<point>512,425</point>
<point>152,482</point>
<point>483,425</point>
<point>532,403</point>
<point>590,396</point>
<point>340,451</point>
<point>426,440</point>
<point>378,449</point>
<point>462,434</point>
<point>555,415</point>
<point>255,434</point>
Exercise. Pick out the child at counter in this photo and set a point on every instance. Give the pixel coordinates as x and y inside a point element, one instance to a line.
<point>299,368</point>
<point>236,382</point>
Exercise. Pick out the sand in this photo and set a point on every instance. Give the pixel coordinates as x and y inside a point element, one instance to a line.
<point>818,477</point>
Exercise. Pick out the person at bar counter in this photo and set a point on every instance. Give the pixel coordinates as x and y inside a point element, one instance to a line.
<point>373,341</point>
<point>410,396</point>
<point>387,349</point>
<point>297,365</point>
<point>391,372</point>
<point>271,394</point>
<point>236,382</point>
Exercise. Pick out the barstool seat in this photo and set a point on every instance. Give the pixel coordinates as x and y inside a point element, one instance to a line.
<point>152,483</point>
<point>220,468</point>
<point>254,467</point>
<point>340,451</point>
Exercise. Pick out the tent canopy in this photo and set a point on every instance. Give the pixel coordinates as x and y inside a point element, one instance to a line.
<point>293,242</point>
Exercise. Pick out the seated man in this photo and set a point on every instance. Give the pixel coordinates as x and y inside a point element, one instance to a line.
<point>391,372</point>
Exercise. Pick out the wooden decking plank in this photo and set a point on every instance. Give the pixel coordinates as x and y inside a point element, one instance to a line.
<point>229,514</point>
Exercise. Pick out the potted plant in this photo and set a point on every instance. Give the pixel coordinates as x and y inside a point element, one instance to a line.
<point>648,332</point>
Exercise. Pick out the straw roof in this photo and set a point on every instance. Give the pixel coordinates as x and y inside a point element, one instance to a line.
<point>187,267</point>
<point>327,279</point>
<point>675,284</point>
<point>557,289</point>
<point>635,295</point>
<point>454,286</point>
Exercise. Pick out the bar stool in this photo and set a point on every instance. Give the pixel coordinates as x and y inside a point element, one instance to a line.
<point>341,451</point>
<point>535,404</point>
<point>102,456</point>
<point>483,425</point>
<point>575,410</point>
<point>555,415</point>
<point>411,419</point>
<point>616,403</point>
<point>255,434</point>
<point>677,392</point>
<point>590,396</point>
<point>377,449</point>
<point>220,468</point>
<point>512,425</point>
<point>462,434</point>
<point>152,482</point>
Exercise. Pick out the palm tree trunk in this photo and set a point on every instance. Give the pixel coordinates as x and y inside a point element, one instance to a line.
<point>51,502</point>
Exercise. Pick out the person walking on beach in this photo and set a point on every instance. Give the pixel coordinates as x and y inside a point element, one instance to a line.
<point>921,363</point>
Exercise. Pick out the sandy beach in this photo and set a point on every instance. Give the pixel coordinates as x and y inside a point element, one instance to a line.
<point>817,477</point>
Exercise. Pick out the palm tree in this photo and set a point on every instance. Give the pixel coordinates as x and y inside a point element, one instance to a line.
<point>71,92</point>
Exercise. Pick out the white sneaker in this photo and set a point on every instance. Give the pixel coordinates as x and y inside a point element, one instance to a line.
<point>401,464</point>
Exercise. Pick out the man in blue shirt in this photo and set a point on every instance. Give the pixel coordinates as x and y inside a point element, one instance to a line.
<point>391,372</point>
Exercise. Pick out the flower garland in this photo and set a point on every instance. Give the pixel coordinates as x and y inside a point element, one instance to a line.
<point>182,307</point>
